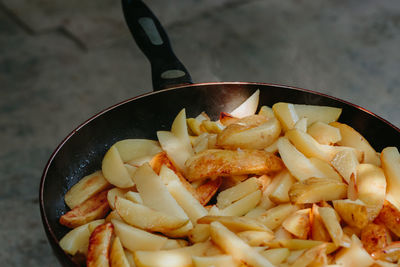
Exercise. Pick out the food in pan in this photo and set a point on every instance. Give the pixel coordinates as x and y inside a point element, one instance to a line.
<point>288,185</point>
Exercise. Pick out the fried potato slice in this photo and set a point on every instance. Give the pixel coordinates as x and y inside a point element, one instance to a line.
<point>234,193</point>
<point>146,218</point>
<point>252,132</point>
<point>390,253</point>
<point>242,206</point>
<point>133,149</point>
<point>99,246</point>
<point>233,245</point>
<point>315,113</point>
<point>276,255</point>
<point>274,217</point>
<point>316,256</point>
<point>207,190</point>
<point>355,255</point>
<point>318,229</point>
<point>114,193</point>
<point>214,261</point>
<point>114,170</point>
<point>371,186</point>
<point>117,255</point>
<point>375,237</point>
<point>94,208</point>
<point>87,187</point>
<point>227,119</point>
<point>354,213</point>
<point>345,162</point>
<point>134,238</point>
<point>199,233</point>
<point>235,223</point>
<point>332,224</point>
<point>324,133</point>
<point>284,181</point>
<point>390,217</point>
<point>298,223</point>
<point>256,238</point>
<point>314,190</point>
<point>217,162</point>
<point>390,158</point>
<point>286,114</point>
<point>352,138</point>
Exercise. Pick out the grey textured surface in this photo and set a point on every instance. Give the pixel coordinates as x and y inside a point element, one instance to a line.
<point>63,61</point>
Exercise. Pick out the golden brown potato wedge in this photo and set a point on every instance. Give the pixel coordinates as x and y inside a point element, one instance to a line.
<point>217,162</point>
<point>314,190</point>
<point>375,237</point>
<point>227,119</point>
<point>332,224</point>
<point>87,187</point>
<point>354,213</point>
<point>390,217</point>
<point>99,246</point>
<point>355,255</point>
<point>318,230</point>
<point>298,223</point>
<point>390,253</point>
<point>207,190</point>
<point>94,208</point>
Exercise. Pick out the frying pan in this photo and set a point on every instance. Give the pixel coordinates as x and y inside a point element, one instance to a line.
<point>82,150</point>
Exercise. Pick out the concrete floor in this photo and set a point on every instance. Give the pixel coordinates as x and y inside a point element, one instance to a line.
<point>63,61</point>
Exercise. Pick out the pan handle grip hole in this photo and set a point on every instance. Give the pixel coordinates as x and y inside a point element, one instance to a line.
<point>151,30</point>
<point>172,74</point>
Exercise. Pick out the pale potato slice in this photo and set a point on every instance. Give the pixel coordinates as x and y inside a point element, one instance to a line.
<point>390,158</point>
<point>199,233</point>
<point>226,118</point>
<point>212,163</point>
<point>185,199</point>
<point>299,165</point>
<point>282,233</point>
<point>99,246</point>
<point>129,257</point>
<point>174,244</point>
<point>371,185</point>
<point>316,256</point>
<point>266,112</point>
<point>286,114</point>
<point>256,238</point>
<point>178,151</point>
<point>375,237</point>
<point>146,218</point>
<point>325,134</point>
<point>180,257</point>
<point>113,215</point>
<point>355,255</point>
<point>298,223</point>
<point>155,193</point>
<point>390,216</point>
<point>276,255</point>
<point>134,238</point>
<point>233,245</point>
<point>314,190</point>
<point>117,255</point>
<point>318,229</point>
<point>77,239</point>
<point>113,194</point>
<point>87,187</point>
<point>212,127</point>
<point>94,208</point>
<point>93,224</point>
<point>133,149</point>
<point>230,195</point>
<point>243,205</point>
<point>301,125</point>
<point>248,107</point>
<point>332,224</point>
<point>272,148</point>
<point>354,213</point>
<point>114,170</point>
<point>352,138</point>
<point>300,244</point>
<point>280,193</point>
<point>345,162</point>
<point>317,113</point>
<point>214,261</point>
<point>252,132</point>
<point>274,217</point>
<point>134,197</point>
<point>325,168</point>
<point>293,256</point>
<point>194,126</point>
<point>180,130</point>
<point>235,223</point>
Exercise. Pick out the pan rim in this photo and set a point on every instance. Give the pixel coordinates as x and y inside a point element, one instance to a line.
<point>49,231</point>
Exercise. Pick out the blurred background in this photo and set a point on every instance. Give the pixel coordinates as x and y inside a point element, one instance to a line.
<point>63,61</point>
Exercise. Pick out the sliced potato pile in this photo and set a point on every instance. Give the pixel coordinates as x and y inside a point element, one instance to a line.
<point>288,186</point>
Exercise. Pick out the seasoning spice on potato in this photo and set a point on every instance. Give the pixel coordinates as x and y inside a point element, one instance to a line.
<point>289,186</point>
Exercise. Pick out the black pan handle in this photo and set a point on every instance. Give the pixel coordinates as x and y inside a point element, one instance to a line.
<point>166,69</point>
